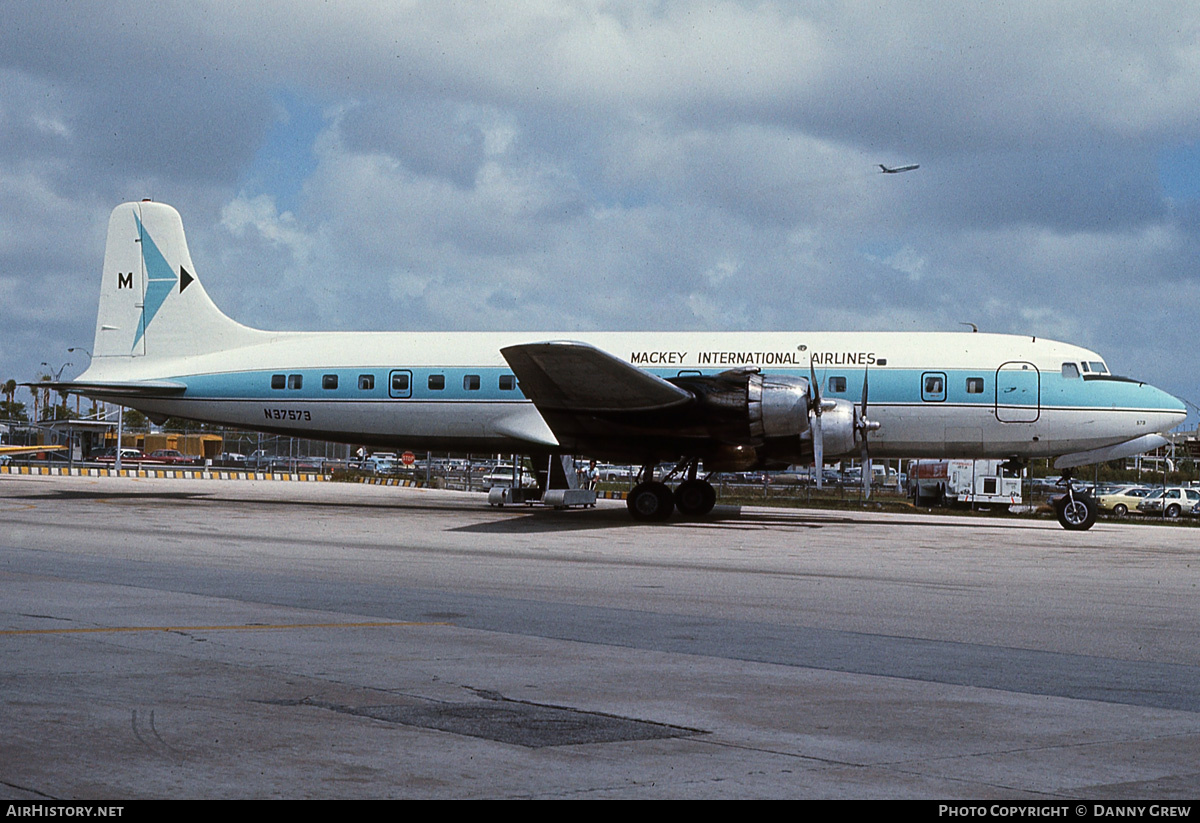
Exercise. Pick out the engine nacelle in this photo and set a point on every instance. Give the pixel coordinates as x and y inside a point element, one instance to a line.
<point>764,420</point>
<point>837,428</point>
<point>777,405</point>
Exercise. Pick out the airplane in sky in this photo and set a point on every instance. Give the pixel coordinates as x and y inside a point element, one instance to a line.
<point>726,400</point>
<point>899,169</point>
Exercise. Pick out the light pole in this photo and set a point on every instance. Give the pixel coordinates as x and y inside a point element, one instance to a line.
<point>57,377</point>
<point>70,434</point>
<point>79,397</point>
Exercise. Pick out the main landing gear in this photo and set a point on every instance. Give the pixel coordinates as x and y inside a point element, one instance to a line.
<point>653,500</point>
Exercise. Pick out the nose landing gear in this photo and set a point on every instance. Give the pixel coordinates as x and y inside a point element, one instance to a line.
<point>1076,511</point>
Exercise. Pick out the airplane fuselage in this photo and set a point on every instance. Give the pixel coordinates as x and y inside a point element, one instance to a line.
<point>934,394</point>
<point>729,400</point>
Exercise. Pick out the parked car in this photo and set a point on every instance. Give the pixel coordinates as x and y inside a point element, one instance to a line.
<point>501,476</point>
<point>377,463</point>
<point>1121,499</point>
<point>1176,501</point>
<point>170,456</point>
<point>110,455</point>
<point>612,473</point>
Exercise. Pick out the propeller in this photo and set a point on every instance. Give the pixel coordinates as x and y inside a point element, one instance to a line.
<point>862,426</point>
<point>818,440</point>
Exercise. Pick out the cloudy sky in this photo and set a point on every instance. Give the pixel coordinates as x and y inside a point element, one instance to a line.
<point>582,164</point>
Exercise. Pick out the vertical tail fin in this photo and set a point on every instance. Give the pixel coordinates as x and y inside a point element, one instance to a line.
<point>151,304</point>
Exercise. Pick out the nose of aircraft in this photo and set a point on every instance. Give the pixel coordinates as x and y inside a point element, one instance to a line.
<point>1166,410</point>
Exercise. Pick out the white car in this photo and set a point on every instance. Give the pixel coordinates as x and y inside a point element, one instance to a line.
<point>1177,500</point>
<point>501,477</point>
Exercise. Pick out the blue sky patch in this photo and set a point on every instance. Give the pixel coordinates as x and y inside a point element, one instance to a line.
<point>1179,171</point>
<point>286,157</point>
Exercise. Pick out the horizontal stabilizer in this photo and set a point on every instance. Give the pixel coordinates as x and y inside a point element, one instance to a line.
<point>1139,445</point>
<point>575,377</point>
<point>130,388</point>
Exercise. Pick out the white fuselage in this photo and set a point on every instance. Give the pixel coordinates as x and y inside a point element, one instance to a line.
<point>934,394</point>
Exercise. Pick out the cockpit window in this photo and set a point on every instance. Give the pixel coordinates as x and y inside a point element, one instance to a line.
<point>1070,370</point>
<point>1095,367</point>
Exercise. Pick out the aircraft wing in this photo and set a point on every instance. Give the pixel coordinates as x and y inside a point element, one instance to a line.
<point>1139,445</point>
<point>596,403</point>
<point>566,376</point>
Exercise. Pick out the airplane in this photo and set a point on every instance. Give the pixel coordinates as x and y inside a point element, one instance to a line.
<point>728,400</point>
<point>898,169</point>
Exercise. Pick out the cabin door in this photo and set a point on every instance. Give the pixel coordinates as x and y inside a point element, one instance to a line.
<point>1018,392</point>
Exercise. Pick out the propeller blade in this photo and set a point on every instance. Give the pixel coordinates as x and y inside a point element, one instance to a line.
<point>818,437</point>
<point>866,374</point>
<point>866,456</point>
<point>818,451</point>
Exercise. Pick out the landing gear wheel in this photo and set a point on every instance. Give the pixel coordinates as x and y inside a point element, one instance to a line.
<point>650,501</point>
<point>1076,512</point>
<point>695,498</point>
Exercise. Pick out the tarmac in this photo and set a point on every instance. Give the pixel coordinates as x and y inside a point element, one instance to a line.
<point>168,638</point>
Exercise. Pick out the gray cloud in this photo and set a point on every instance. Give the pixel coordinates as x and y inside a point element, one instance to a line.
<point>580,165</point>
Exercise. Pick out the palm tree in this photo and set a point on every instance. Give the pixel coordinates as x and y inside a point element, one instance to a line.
<point>10,389</point>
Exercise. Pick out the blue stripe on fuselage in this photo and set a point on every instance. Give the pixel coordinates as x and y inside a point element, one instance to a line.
<point>887,386</point>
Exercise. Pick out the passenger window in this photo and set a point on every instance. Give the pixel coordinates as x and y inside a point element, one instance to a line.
<point>295,381</point>
<point>400,384</point>
<point>329,381</point>
<point>471,382</point>
<point>278,381</point>
<point>366,382</point>
<point>437,382</point>
<point>508,382</point>
<point>974,385</point>
<point>837,384</point>
<point>1070,371</point>
<point>933,387</point>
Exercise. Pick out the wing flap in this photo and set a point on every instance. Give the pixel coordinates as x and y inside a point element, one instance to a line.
<point>568,376</point>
